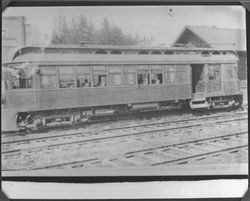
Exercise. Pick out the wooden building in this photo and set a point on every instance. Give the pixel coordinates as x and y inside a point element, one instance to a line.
<point>16,33</point>
<point>219,38</point>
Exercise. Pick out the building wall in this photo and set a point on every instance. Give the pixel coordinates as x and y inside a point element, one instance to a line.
<point>28,32</point>
<point>8,46</point>
<point>17,33</point>
<point>15,28</point>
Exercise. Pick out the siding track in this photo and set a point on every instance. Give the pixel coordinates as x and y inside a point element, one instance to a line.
<point>13,146</point>
<point>169,154</point>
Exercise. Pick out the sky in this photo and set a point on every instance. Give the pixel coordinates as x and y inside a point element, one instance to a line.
<point>164,23</point>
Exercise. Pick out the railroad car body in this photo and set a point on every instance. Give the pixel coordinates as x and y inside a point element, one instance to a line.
<point>45,85</point>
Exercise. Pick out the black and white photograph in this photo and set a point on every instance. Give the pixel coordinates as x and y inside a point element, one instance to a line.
<point>124,91</point>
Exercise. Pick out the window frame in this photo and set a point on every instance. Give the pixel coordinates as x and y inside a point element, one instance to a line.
<point>93,74</point>
<point>73,76</point>
<point>170,72</point>
<point>159,71</point>
<point>147,69</point>
<point>40,76</point>
<point>109,68</point>
<point>125,73</point>
<point>214,75</point>
<point>85,73</point>
<point>213,82</point>
<point>32,78</point>
<point>183,72</point>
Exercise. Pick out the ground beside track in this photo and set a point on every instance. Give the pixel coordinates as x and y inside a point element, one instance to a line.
<point>105,150</point>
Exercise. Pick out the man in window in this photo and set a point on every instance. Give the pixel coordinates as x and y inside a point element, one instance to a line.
<point>103,81</point>
<point>86,83</point>
<point>145,81</point>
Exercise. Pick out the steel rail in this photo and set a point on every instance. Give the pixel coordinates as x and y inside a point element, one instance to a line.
<point>117,128</point>
<point>116,136</point>
<point>199,155</point>
<point>81,162</point>
<point>189,142</point>
<point>94,121</point>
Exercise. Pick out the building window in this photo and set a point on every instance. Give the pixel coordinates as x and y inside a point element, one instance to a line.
<point>83,76</point>
<point>169,73</point>
<point>156,74</point>
<point>181,74</point>
<point>115,76</point>
<point>48,78</point>
<point>143,75</point>
<point>66,77</point>
<point>99,76</point>
<point>129,75</point>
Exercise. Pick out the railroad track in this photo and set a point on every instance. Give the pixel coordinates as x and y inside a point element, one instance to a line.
<point>30,138</point>
<point>142,127</point>
<point>105,120</point>
<point>178,153</point>
<point>12,147</point>
<point>98,119</point>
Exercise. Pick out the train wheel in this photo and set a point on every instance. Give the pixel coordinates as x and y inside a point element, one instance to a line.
<point>238,102</point>
<point>75,118</point>
<point>185,106</point>
<point>85,116</point>
<point>37,121</point>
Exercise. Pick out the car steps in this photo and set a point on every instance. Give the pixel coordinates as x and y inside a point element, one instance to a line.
<point>199,103</point>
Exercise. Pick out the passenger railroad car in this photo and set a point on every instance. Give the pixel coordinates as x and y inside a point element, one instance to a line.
<point>45,85</point>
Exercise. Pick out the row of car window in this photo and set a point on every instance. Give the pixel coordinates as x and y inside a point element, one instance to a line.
<point>101,76</point>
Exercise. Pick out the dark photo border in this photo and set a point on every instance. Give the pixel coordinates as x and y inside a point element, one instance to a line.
<point>105,179</point>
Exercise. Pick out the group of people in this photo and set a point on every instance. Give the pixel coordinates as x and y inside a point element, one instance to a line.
<point>85,83</point>
<point>100,82</point>
<point>144,80</point>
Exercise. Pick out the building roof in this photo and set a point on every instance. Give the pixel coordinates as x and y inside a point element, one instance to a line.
<point>219,37</point>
